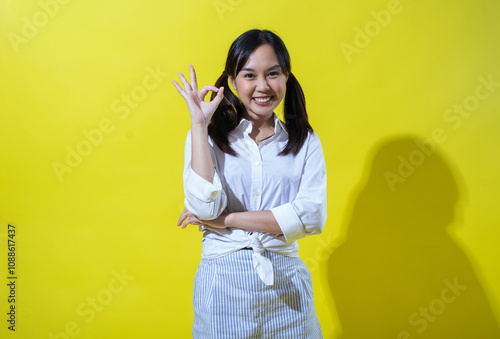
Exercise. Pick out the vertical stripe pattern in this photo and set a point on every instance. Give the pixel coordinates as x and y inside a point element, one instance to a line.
<point>231,301</point>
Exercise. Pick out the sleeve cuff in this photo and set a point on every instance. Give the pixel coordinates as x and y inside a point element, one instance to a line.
<point>289,222</point>
<point>202,189</point>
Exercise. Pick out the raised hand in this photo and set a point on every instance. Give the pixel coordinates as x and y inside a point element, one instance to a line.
<point>201,111</point>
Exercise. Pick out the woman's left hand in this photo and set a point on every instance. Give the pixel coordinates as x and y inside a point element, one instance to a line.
<point>188,218</point>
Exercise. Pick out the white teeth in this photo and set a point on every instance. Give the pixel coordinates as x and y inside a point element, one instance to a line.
<point>262,100</point>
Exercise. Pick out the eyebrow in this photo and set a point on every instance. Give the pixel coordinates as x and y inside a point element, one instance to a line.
<point>252,70</point>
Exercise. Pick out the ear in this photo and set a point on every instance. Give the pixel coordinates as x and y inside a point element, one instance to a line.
<point>233,82</point>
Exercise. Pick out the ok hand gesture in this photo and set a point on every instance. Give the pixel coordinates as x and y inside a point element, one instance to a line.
<point>201,111</point>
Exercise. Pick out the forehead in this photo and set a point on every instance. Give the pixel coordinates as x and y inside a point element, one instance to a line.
<point>263,57</point>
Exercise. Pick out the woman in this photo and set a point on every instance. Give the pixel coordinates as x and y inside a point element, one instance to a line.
<point>254,185</point>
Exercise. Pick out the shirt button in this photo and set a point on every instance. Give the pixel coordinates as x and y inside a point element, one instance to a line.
<point>257,193</point>
<point>257,163</point>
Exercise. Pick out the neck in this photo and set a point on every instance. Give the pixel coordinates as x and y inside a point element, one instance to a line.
<point>261,123</point>
<point>262,128</point>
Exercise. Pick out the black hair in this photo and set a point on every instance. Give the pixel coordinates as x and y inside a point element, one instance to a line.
<point>229,112</point>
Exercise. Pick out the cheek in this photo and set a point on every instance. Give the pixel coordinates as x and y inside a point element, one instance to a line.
<point>243,89</point>
<point>279,85</point>
<point>283,84</point>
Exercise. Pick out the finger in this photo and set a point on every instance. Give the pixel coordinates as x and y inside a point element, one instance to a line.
<point>219,96</point>
<point>181,218</point>
<point>186,84</point>
<point>194,82</point>
<point>191,221</point>
<point>185,223</point>
<point>185,213</point>
<point>204,91</point>
<point>179,88</point>
<point>188,213</point>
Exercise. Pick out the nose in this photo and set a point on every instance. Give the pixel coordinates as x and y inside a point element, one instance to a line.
<point>262,84</point>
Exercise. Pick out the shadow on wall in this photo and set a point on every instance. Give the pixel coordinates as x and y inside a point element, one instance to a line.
<point>399,274</point>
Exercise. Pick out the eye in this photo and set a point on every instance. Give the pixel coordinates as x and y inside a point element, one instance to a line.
<point>248,75</point>
<point>274,73</point>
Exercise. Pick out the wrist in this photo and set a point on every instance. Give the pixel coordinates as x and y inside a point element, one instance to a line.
<point>227,219</point>
<point>199,127</point>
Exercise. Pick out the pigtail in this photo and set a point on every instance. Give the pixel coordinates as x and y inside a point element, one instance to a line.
<point>296,119</point>
<point>226,117</point>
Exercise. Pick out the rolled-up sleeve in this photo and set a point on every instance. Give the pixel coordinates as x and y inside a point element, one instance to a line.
<point>204,199</point>
<point>307,213</point>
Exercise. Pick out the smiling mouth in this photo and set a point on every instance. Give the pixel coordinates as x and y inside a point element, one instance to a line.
<point>263,100</point>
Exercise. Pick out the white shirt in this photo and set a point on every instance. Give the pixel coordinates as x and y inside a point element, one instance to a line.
<point>292,187</point>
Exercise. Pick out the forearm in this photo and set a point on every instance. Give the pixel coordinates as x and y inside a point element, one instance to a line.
<point>259,221</point>
<point>201,160</point>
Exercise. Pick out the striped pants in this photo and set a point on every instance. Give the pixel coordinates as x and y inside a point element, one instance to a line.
<point>230,300</point>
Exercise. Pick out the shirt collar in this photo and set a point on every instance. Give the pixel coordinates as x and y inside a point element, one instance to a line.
<point>245,125</point>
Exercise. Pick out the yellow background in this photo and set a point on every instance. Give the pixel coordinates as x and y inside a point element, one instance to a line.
<point>383,255</point>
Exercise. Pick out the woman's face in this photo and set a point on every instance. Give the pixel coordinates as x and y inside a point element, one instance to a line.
<point>261,84</point>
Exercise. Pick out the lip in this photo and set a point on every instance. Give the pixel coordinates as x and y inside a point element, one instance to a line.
<point>263,103</point>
